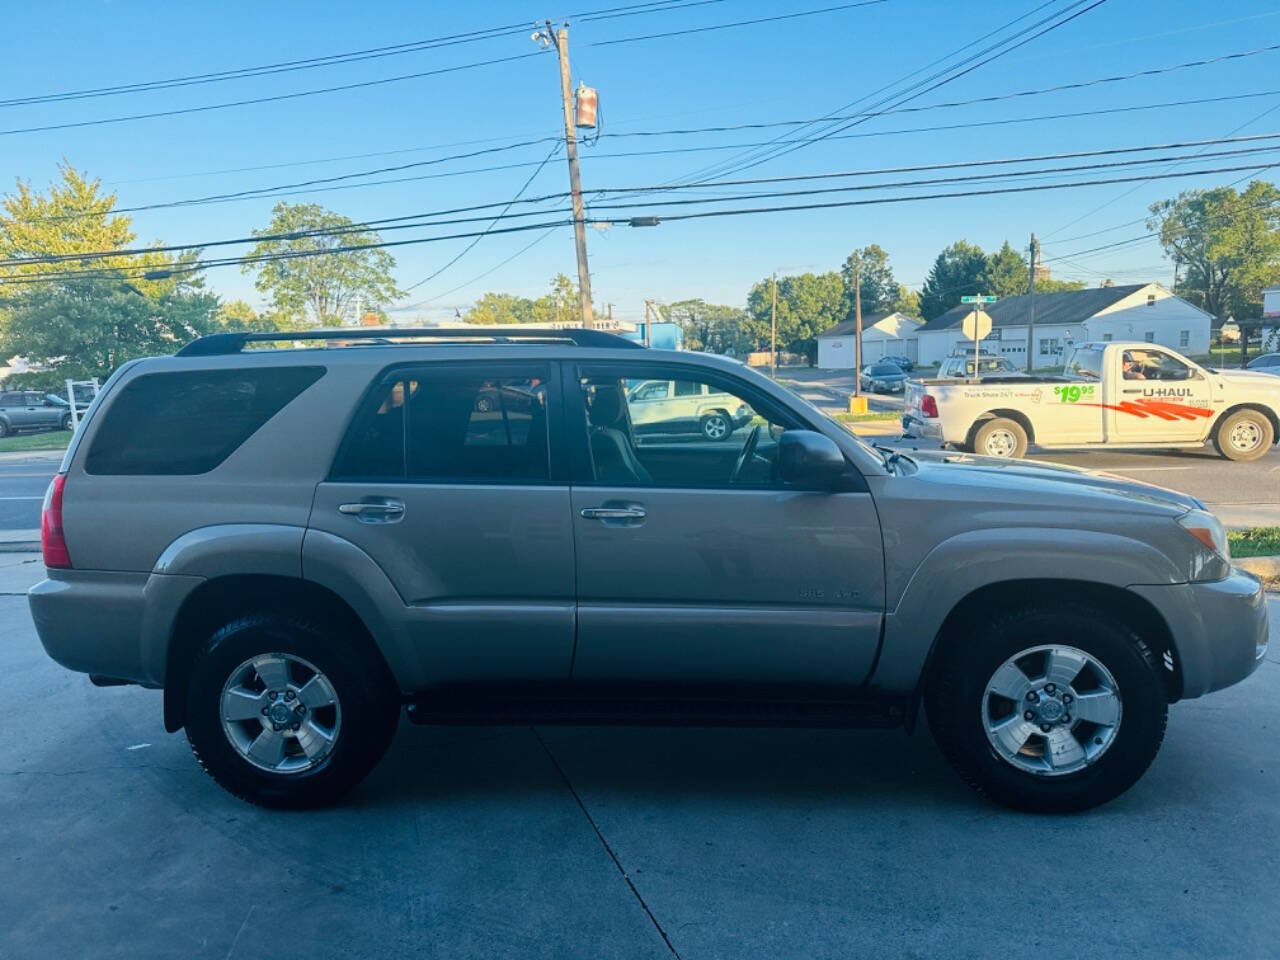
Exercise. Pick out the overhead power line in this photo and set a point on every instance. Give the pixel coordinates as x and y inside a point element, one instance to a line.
<point>350,56</point>
<point>737,23</point>
<point>204,108</point>
<point>911,91</point>
<point>969,65</point>
<point>1264,142</point>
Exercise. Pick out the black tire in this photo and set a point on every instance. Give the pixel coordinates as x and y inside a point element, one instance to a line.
<point>5,429</point>
<point>957,685</point>
<point>369,702</point>
<point>1001,427</point>
<point>1259,428</point>
<point>66,421</point>
<point>716,426</point>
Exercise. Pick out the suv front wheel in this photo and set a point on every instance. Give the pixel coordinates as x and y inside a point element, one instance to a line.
<point>284,713</point>
<point>1048,708</point>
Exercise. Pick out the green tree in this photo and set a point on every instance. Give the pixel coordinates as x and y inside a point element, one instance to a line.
<point>85,328</point>
<point>956,272</point>
<point>879,288</point>
<point>317,285</point>
<point>1226,244</point>
<point>710,326</point>
<point>560,304</point>
<point>238,315</point>
<point>906,302</point>
<point>808,303</point>
<point>1006,273</point>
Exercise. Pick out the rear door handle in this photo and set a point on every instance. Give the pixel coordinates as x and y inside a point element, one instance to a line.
<point>377,511</point>
<point>614,513</point>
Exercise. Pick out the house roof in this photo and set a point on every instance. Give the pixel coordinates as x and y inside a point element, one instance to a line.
<point>1069,306</point>
<point>847,327</point>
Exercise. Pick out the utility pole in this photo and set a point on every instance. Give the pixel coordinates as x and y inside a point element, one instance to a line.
<point>1031,304</point>
<point>561,38</point>
<point>773,330</point>
<point>857,328</point>
<point>648,323</point>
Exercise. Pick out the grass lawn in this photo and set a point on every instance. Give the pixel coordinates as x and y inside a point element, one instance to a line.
<point>1255,542</point>
<point>46,440</point>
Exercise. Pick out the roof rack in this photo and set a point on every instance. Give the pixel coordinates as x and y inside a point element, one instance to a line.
<point>222,344</point>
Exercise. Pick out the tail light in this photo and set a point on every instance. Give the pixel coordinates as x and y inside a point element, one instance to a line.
<point>929,405</point>
<point>52,541</point>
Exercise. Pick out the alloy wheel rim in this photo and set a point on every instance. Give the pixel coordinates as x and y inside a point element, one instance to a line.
<point>280,713</point>
<point>1245,436</point>
<point>1001,443</point>
<point>1051,710</point>
<point>715,427</point>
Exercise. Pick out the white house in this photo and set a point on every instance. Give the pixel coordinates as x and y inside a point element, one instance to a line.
<point>883,335</point>
<point>1140,311</point>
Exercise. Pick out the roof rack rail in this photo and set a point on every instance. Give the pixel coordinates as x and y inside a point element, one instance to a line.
<point>222,344</point>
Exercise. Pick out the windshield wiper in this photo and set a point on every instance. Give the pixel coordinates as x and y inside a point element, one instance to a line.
<point>890,455</point>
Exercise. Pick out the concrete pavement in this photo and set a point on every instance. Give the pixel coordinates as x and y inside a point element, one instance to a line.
<point>619,843</point>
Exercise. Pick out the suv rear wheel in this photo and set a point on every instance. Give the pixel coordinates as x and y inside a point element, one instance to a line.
<point>715,426</point>
<point>1049,709</point>
<point>284,713</point>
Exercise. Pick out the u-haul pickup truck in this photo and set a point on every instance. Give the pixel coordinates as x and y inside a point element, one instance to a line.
<point>1110,394</point>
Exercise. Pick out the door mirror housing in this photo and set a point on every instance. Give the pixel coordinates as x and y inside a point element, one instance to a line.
<point>808,458</point>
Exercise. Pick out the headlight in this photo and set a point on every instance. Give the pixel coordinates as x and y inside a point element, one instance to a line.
<point>1208,530</point>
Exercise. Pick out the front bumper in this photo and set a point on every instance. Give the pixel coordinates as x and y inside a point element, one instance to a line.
<point>1220,629</point>
<point>921,429</point>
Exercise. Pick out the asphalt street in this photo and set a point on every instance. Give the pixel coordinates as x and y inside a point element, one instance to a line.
<point>618,843</point>
<point>22,485</point>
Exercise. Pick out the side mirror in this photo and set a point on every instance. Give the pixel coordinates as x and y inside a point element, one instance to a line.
<point>809,459</point>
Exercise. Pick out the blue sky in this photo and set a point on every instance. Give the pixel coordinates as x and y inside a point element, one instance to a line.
<point>799,68</point>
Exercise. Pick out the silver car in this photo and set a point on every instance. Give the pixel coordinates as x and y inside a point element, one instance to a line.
<point>297,545</point>
<point>32,410</point>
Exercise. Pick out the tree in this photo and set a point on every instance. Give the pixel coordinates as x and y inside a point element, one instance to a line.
<point>1227,242</point>
<point>808,303</point>
<point>710,326</point>
<point>906,302</point>
<point>1006,273</point>
<point>561,304</point>
<point>956,272</point>
<point>83,328</point>
<point>73,218</point>
<point>879,289</point>
<point>319,286</point>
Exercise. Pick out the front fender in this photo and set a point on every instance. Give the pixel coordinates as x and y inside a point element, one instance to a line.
<point>968,561</point>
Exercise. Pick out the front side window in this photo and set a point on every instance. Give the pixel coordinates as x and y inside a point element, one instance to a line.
<point>702,435</point>
<point>1154,365</point>
<point>188,423</point>
<point>451,426</point>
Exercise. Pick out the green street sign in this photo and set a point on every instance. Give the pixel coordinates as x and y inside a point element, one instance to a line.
<point>979,299</point>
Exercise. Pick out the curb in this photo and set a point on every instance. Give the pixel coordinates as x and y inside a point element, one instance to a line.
<point>1267,569</point>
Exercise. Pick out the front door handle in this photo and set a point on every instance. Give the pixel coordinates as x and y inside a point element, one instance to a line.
<point>376,511</point>
<point>634,512</point>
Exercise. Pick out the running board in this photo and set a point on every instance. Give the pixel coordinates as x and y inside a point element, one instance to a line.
<point>470,707</point>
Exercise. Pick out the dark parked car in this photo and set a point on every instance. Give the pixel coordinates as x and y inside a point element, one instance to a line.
<point>902,363</point>
<point>1267,363</point>
<point>883,378</point>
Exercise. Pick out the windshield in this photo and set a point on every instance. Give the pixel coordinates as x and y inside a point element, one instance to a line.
<point>885,370</point>
<point>1085,363</point>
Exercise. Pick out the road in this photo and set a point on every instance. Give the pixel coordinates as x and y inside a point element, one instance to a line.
<point>618,843</point>
<point>23,480</point>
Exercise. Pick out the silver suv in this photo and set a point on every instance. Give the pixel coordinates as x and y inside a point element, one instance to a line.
<point>297,543</point>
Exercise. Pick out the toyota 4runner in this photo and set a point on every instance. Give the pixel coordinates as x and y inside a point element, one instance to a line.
<point>296,544</point>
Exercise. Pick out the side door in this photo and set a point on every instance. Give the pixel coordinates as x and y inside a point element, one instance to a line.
<point>42,410</point>
<point>446,479</point>
<point>695,564</point>
<point>1158,396</point>
<point>13,408</point>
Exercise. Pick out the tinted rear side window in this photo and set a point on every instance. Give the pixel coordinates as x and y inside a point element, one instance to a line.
<point>451,426</point>
<point>188,423</point>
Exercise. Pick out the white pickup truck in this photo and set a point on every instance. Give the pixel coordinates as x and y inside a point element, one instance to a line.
<point>1109,394</point>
